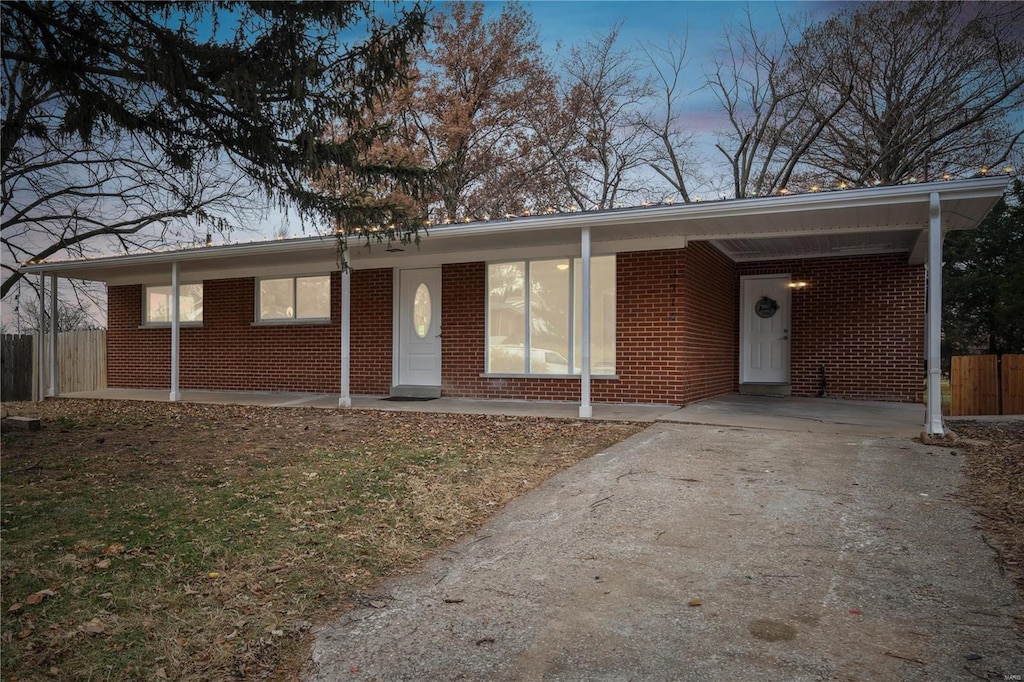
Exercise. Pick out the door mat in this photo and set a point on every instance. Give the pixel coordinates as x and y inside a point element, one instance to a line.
<point>406,399</point>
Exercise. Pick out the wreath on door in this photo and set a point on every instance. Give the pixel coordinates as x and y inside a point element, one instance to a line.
<point>766,307</point>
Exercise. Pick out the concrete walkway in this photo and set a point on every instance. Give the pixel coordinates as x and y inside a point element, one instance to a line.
<point>520,408</point>
<point>819,415</point>
<point>693,552</point>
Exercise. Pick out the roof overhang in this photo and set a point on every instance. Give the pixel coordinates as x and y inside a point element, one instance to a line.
<point>890,219</point>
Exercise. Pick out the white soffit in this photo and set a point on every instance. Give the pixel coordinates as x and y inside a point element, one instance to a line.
<point>873,220</point>
<point>818,245</point>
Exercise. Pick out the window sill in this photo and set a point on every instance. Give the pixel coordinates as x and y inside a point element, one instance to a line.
<point>314,322</point>
<point>167,325</point>
<point>593,377</point>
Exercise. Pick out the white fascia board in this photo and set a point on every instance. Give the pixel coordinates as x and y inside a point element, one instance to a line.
<point>284,246</point>
<point>950,190</point>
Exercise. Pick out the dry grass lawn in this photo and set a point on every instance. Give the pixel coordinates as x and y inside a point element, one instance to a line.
<point>197,542</point>
<point>994,486</point>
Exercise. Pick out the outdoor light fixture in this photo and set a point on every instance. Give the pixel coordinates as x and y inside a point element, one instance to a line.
<point>797,285</point>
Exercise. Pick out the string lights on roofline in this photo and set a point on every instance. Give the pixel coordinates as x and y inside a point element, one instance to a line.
<point>548,210</point>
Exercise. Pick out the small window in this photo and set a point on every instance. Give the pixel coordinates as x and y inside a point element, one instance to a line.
<point>421,311</point>
<point>294,298</point>
<point>157,304</point>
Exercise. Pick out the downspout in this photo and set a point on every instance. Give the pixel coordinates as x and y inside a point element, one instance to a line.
<point>175,334</point>
<point>345,399</point>
<point>933,417</point>
<point>586,409</point>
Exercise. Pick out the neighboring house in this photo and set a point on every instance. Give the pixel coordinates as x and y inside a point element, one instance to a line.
<point>804,295</point>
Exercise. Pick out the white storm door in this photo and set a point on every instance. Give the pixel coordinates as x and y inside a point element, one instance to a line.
<point>419,327</point>
<point>764,329</point>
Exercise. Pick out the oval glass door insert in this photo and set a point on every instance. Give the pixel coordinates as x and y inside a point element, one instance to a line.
<point>421,311</point>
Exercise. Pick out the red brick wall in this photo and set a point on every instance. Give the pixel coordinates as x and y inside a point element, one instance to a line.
<point>371,331</point>
<point>677,334</point>
<point>675,331</point>
<point>711,332</point>
<point>228,352</point>
<point>862,317</point>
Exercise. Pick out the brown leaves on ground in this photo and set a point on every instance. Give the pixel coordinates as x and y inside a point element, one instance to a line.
<point>994,486</point>
<point>202,542</point>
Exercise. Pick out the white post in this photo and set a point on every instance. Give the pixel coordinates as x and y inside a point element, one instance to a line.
<point>53,337</point>
<point>345,399</point>
<point>933,418</point>
<point>41,342</point>
<point>175,333</point>
<point>586,409</point>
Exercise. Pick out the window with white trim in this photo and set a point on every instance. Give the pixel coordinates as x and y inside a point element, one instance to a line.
<point>284,299</point>
<point>534,316</point>
<point>157,304</point>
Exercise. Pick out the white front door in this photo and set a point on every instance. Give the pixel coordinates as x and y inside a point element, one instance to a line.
<point>764,329</point>
<point>419,327</point>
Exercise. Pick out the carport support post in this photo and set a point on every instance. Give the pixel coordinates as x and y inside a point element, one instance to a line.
<point>53,338</point>
<point>175,334</point>
<point>586,409</point>
<point>41,341</point>
<point>345,399</point>
<point>933,418</point>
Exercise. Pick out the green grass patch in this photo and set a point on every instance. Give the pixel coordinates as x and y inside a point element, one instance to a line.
<point>186,542</point>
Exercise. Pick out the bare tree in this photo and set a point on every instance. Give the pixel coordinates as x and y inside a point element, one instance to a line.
<point>597,139</point>
<point>776,104</point>
<point>935,88</point>
<point>73,311</point>
<point>672,156</point>
<point>60,196</point>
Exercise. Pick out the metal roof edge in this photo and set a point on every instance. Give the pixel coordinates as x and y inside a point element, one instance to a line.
<point>979,187</point>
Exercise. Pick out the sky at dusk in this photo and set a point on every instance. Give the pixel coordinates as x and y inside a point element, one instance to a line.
<point>656,23</point>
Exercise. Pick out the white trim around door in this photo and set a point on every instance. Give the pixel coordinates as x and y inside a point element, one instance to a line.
<point>417,333</point>
<point>765,319</point>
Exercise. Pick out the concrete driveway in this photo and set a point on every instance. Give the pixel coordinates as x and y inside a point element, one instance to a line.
<point>703,552</point>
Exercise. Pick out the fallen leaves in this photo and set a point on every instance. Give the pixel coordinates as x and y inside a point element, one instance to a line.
<point>994,468</point>
<point>38,597</point>
<point>295,509</point>
<point>93,627</point>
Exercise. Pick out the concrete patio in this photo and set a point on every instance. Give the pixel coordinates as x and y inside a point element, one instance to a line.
<point>817,415</point>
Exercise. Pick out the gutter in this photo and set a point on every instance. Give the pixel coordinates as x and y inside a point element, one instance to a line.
<point>984,187</point>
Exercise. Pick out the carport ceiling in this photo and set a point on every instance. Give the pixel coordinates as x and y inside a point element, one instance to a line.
<point>818,245</point>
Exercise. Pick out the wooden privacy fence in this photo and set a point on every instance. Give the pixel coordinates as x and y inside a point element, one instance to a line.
<point>16,366</point>
<point>987,384</point>
<point>81,363</point>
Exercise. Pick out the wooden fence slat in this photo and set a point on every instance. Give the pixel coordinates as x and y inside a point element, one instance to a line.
<point>81,360</point>
<point>1013,384</point>
<point>16,366</point>
<point>81,363</point>
<point>974,385</point>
